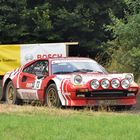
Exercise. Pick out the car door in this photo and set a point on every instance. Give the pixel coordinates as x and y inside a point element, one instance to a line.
<point>30,80</point>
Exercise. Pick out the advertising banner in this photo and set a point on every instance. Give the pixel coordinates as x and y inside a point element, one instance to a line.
<point>9,58</point>
<point>13,56</point>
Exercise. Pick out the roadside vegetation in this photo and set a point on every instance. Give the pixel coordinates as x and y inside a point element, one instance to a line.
<point>125,47</point>
<point>37,123</point>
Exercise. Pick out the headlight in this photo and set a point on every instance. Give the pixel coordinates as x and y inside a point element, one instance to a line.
<point>129,77</point>
<point>105,83</point>
<point>77,79</point>
<point>125,83</point>
<point>115,83</point>
<point>95,84</point>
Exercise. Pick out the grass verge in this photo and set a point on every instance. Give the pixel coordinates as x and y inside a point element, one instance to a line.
<point>40,123</point>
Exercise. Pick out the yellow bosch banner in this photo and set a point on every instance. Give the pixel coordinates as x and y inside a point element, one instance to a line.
<point>13,56</point>
<point>9,58</point>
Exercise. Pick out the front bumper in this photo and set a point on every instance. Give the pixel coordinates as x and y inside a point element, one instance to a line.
<point>108,102</point>
<point>113,98</point>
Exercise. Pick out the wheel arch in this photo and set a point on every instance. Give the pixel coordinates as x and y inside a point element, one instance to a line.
<point>49,83</point>
<point>4,89</point>
<point>56,87</point>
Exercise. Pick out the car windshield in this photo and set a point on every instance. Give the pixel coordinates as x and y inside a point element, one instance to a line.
<point>71,66</point>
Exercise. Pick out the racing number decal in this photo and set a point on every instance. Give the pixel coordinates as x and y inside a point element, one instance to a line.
<point>37,84</point>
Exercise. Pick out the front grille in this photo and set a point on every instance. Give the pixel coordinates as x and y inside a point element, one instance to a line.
<point>104,93</point>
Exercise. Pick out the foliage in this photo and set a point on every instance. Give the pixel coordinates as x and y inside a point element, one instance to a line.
<point>126,45</point>
<point>22,21</point>
<point>32,21</point>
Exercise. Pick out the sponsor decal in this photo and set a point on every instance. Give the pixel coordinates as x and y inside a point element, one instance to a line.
<point>29,85</point>
<point>71,60</point>
<point>37,84</point>
<point>28,94</point>
<point>34,85</point>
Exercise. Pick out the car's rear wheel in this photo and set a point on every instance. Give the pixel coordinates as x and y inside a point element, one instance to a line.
<point>11,95</point>
<point>52,98</point>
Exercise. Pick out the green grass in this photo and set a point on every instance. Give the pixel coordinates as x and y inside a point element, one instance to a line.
<point>29,123</point>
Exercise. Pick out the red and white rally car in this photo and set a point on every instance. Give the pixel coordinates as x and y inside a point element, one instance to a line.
<point>70,81</point>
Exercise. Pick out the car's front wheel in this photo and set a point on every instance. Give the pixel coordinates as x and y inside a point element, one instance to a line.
<point>52,98</point>
<point>11,96</point>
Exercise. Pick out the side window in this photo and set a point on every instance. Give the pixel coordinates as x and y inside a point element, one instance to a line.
<point>41,68</point>
<point>38,68</point>
<point>29,69</point>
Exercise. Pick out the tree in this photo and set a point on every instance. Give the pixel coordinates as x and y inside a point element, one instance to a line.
<point>126,45</point>
<point>9,20</point>
<point>24,21</point>
<point>34,21</point>
<point>83,21</point>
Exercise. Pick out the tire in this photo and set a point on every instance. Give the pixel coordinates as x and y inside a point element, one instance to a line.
<point>11,94</point>
<point>1,97</point>
<point>51,97</point>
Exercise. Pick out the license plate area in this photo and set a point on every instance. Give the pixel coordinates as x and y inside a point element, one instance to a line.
<point>107,102</point>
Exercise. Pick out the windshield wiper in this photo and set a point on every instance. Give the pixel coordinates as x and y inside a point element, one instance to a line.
<point>62,72</point>
<point>83,70</point>
<point>87,70</point>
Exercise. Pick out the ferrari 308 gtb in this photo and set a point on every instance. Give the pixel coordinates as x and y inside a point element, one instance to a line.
<point>70,81</point>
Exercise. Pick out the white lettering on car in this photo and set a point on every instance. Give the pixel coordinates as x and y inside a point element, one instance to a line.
<point>29,85</point>
<point>28,94</point>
